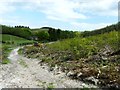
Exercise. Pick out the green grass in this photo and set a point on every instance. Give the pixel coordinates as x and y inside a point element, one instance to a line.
<point>84,47</point>
<point>0,52</point>
<point>8,43</point>
<point>83,55</point>
<point>50,86</point>
<point>5,61</point>
<point>10,39</point>
<point>5,50</point>
<point>39,29</point>
<point>0,45</point>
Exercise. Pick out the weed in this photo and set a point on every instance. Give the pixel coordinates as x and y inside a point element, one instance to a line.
<point>50,86</point>
<point>5,61</point>
<point>23,63</point>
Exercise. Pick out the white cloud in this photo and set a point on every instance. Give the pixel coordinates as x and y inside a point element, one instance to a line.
<point>69,10</point>
<point>58,9</point>
<point>5,7</point>
<point>100,7</point>
<point>13,21</point>
<point>89,26</point>
<point>64,10</point>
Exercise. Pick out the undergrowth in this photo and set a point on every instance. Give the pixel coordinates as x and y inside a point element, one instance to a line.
<point>86,57</point>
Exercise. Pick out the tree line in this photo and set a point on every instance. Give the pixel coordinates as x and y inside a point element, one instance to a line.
<point>17,31</point>
<point>51,34</point>
<point>114,27</point>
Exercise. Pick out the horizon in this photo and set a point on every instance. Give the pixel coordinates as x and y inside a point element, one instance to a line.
<point>64,14</point>
<point>60,28</point>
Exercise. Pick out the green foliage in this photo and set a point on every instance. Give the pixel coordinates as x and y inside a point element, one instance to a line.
<point>85,57</point>
<point>58,34</point>
<point>10,39</point>
<point>85,88</point>
<point>9,42</point>
<point>85,47</point>
<point>114,27</point>
<point>42,35</point>
<point>4,51</point>
<point>17,31</point>
<point>5,61</point>
<point>22,27</point>
<point>50,86</point>
<point>20,51</point>
<point>89,54</point>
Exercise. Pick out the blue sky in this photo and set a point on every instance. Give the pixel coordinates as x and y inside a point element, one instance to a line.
<point>77,15</point>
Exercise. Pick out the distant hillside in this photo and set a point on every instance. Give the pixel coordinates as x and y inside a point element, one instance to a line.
<point>39,29</point>
<point>114,27</point>
<point>10,39</point>
<point>19,31</point>
<point>38,34</point>
<point>42,29</point>
<point>52,34</point>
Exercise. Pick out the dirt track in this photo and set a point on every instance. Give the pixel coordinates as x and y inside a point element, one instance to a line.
<point>27,73</point>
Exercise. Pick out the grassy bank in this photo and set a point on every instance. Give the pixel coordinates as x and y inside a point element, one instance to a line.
<point>10,39</point>
<point>5,50</point>
<point>9,42</point>
<point>85,47</point>
<point>89,59</point>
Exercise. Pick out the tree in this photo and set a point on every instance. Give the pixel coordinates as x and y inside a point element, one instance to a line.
<point>58,33</point>
<point>52,34</point>
<point>42,35</point>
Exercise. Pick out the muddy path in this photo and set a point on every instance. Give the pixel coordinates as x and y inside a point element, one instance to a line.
<point>27,73</point>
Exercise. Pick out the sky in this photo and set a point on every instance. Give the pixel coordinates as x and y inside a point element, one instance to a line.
<point>76,15</point>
